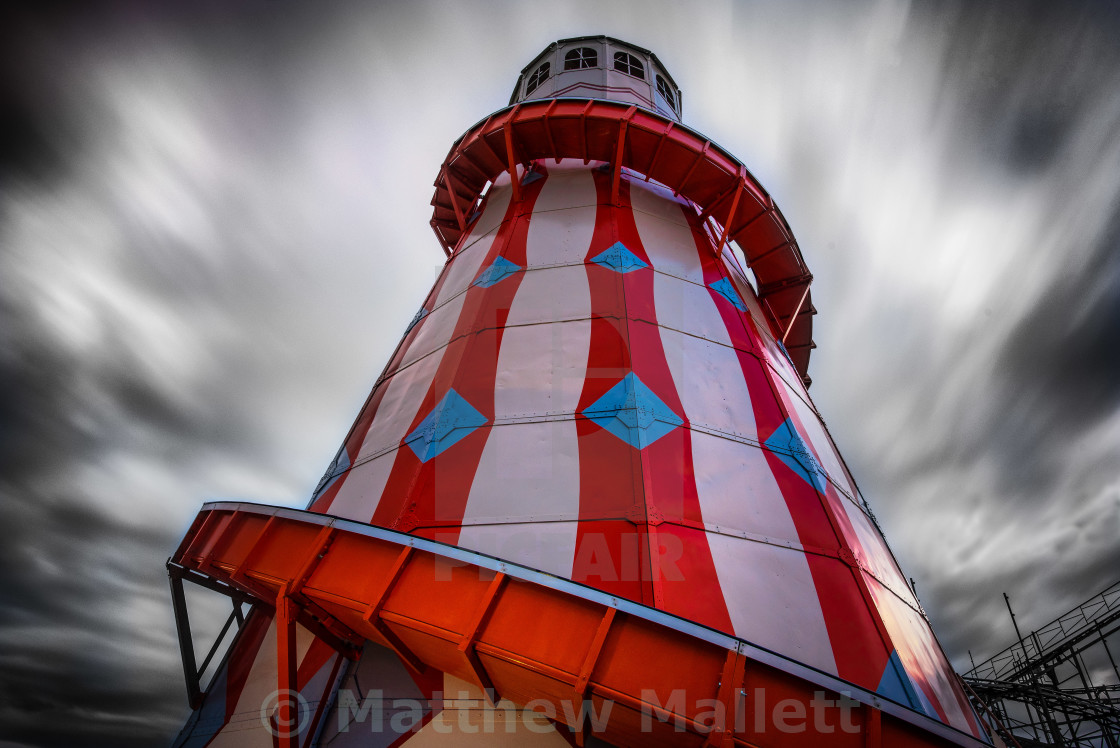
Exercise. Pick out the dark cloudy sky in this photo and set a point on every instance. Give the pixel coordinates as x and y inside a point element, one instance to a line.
<point>214,228</point>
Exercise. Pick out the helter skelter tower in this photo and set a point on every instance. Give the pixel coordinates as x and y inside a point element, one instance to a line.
<point>589,500</point>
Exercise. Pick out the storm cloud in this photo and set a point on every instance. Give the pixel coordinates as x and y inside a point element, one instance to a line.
<point>214,228</point>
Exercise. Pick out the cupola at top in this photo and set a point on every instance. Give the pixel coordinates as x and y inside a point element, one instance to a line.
<point>600,67</point>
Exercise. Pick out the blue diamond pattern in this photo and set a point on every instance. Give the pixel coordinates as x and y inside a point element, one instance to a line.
<point>416,320</point>
<point>496,273</point>
<point>340,465</point>
<point>788,446</point>
<point>619,259</point>
<point>896,686</point>
<point>727,290</point>
<point>783,347</point>
<point>452,419</point>
<point>631,411</point>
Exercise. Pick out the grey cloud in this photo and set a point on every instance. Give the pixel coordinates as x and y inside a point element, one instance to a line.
<point>1065,351</point>
<point>959,199</point>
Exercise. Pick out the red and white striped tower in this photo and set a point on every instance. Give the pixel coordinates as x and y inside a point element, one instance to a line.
<point>590,476</point>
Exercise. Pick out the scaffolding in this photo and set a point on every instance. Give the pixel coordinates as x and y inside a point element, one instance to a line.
<point>1060,684</point>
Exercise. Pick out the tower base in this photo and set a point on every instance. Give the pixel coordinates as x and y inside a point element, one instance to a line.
<point>448,646</point>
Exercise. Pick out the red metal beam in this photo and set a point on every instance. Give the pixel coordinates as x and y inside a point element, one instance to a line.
<point>714,204</point>
<point>616,167</point>
<point>657,151</point>
<point>730,219</point>
<point>454,202</point>
<point>688,174</point>
<point>466,644</point>
<point>288,704</point>
<point>548,129</point>
<point>730,691</point>
<point>593,652</point>
<point>511,157</point>
<point>372,613</point>
<point>797,310</point>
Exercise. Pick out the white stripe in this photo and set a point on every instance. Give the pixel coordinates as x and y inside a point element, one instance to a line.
<point>709,380</point>
<point>570,185</point>
<point>688,307</point>
<point>665,233</point>
<point>360,493</point>
<point>774,603</point>
<point>558,294</point>
<point>541,369</point>
<point>737,489</point>
<point>706,371</point>
<point>815,435</point>
<point>545,546</point>
<point>568,246</point>
<point>532,469</point>
<point>772,600</point>
<point>463,268</point>
<point>434,333</point>
<point>919,652</point>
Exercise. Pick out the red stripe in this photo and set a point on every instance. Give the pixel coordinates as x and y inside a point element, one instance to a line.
<point>845,535</point>
<point>675,563</point>
<point>610,551</point>
<point>429,498</point>
<point>962,700</point>
<point>854,631</point>
<point>318,655</point>
<point>826,524</point>
<point>837,506</point>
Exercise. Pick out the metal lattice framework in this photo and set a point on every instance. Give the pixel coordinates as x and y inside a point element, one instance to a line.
<point>1059,685</point>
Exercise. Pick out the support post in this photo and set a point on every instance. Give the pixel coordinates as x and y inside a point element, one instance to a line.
<point>1014,623</point>
<point>466,644</point>
<point>372,613</point>
<point>511,156</point>
<point>450,183</point>
<point>797,311</point>
<point>287,725</point>
<point>620,147</point>
<point>1108,651</point>
<point>731,214</point>
<point>186,642</point>
<point>722,733</point>
<point>872,727</point>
